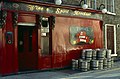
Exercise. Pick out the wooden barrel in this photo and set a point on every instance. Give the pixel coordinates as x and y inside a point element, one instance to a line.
<point>104,63</point>
<point>83,54</point>
<point>101,54</point>
<point>109,65</point>
<point>108,53</point>
<point>94,54</point>
<point>84,66</point>
<point>94,64</point>
<point>79,63</point>
<point>73,64</point>
<point>100,64</point>
<point>88,54</point>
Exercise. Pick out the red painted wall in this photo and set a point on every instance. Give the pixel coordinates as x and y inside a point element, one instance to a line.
<point>8,52</point>
<point>63,50</point>
<point>1,51</point>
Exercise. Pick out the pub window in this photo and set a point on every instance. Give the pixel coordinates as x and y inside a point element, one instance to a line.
<point>95,4</point>
<point>45,36</point>
<point>110,5</point>
<point>45,45</point>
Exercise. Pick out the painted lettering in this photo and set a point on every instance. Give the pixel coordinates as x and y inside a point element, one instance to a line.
<point>78,13</point>
<point>47,9</point>
<point>38,8</point>
<point>61,11</point>
<point>31,7</point>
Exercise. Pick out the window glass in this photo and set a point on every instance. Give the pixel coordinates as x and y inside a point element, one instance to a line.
<point>95,4</point>
<point>45,36</point>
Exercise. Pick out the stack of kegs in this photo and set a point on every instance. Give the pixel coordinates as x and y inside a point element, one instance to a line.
<point>93,60</point>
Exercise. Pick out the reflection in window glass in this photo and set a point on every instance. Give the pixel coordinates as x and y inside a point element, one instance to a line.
<point>45,45</point>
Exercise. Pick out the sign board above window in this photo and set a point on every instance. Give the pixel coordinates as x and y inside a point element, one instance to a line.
<point>51,10</point>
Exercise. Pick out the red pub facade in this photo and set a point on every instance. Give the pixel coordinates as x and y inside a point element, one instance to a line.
<point>42,36</point>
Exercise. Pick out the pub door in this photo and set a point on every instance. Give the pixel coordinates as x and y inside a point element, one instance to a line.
<point>27,48</point>
<point>110,38</point>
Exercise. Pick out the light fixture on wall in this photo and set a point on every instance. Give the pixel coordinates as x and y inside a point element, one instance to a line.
<point>118,25</point>
<point>104,10</point>
<point>84,6</point>
<point>58,2</point>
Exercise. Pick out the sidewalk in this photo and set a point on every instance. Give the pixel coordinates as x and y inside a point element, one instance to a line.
<point>70,74</point>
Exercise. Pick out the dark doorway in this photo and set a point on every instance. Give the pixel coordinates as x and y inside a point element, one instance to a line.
<point>27,48</point>
<point>110,38</point>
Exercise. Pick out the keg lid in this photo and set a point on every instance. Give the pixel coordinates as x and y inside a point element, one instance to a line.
<point>93,50</point>
<point>83,50</point>
<point>97,49</point>
<point>88,49</point>
<point>73,59</point>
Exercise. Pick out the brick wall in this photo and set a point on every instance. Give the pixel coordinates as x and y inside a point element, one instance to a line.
<point>111,19</point>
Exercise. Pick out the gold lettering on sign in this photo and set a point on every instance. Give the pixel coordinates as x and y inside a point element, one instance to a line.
<point>61,11</point>
<point>38,8</point>
<point>81,13</point>
<point>57,10</point>
<point>47,9</point>
<point>31,7</point>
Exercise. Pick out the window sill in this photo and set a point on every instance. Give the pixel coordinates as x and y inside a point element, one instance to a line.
<point>110,13</point>
<point>113,55</point>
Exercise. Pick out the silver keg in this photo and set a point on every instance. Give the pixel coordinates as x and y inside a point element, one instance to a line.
<point>73,64</point>
<point>76,64</point>
<point>100,64</point>
<point>79,63</point>
<point>83,54</point>
<point>94,54</point>
<point>101,54</point>
<point>84,66</point>
<point>105,63</point>
<point>94,64</point>
<point>108,53</point>
<point>112,61</point>
<point>109,65</point>
<point>88,54</point>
